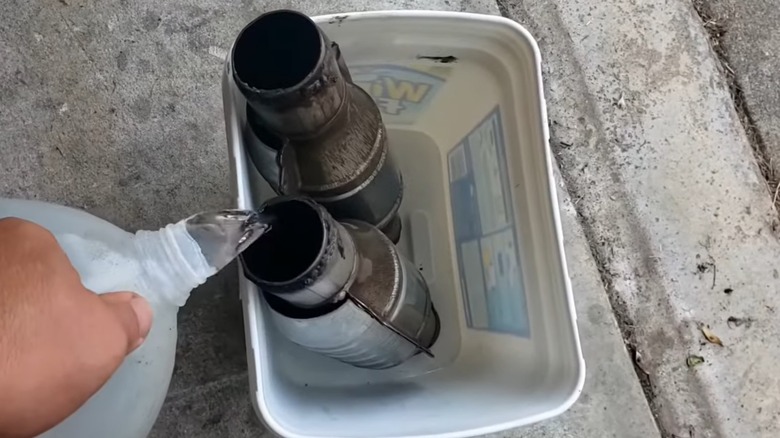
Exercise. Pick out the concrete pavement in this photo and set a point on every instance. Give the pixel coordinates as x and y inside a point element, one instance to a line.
<point>673,204</point>
<point>747,43</point>
<point>114,106</point>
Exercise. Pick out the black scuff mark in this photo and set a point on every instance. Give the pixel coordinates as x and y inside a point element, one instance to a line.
<point>338,19</point>
<point>440,59</point>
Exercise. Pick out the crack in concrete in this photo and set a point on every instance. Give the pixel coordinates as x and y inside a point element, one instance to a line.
<point>715,27</point>
<point>503,9</point>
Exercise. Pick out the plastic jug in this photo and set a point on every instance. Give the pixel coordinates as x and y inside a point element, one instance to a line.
<point>163,266</point>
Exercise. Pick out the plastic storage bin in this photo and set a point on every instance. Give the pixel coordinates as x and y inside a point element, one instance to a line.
<point>461,95</point>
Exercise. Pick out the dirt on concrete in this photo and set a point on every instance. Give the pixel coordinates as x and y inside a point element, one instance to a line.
<point>674,206</point>
<point>716,18</point>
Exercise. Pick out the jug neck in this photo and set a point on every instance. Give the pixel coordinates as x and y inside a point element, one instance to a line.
<point>173,263</point>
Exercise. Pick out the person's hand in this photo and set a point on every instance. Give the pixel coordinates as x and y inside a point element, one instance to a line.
<point>59,342</point>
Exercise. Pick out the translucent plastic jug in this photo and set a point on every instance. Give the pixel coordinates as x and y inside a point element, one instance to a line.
<point>163,266</point>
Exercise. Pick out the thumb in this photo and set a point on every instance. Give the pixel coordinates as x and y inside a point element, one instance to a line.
<point>133,313</point>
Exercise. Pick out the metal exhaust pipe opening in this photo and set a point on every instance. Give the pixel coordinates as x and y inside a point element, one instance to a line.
<point>311,131</point>
<point>289,73</point>
<point>276,51</point>
<point>302,259</point>
<point>340,289</point>
<point>291,247</point>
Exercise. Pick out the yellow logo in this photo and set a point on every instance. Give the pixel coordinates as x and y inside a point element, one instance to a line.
<point>402,93</point>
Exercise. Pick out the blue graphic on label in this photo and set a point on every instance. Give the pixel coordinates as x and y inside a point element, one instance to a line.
<point>402,93</point>
<point>485,235</point>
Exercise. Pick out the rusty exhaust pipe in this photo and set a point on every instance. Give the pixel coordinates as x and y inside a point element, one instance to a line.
<point>340,289</point>
<point>314,132</point>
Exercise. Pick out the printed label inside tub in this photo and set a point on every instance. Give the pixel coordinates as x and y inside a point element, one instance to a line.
<point>402,93</point>
<point>485,234</point>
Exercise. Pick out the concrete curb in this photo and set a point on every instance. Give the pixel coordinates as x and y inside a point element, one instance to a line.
<point>741,35</point>
<point>672,204</point>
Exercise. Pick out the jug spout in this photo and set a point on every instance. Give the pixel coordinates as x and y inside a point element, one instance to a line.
<point>223,235</point>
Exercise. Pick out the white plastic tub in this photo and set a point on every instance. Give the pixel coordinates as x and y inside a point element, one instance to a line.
<point>468,128</point>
